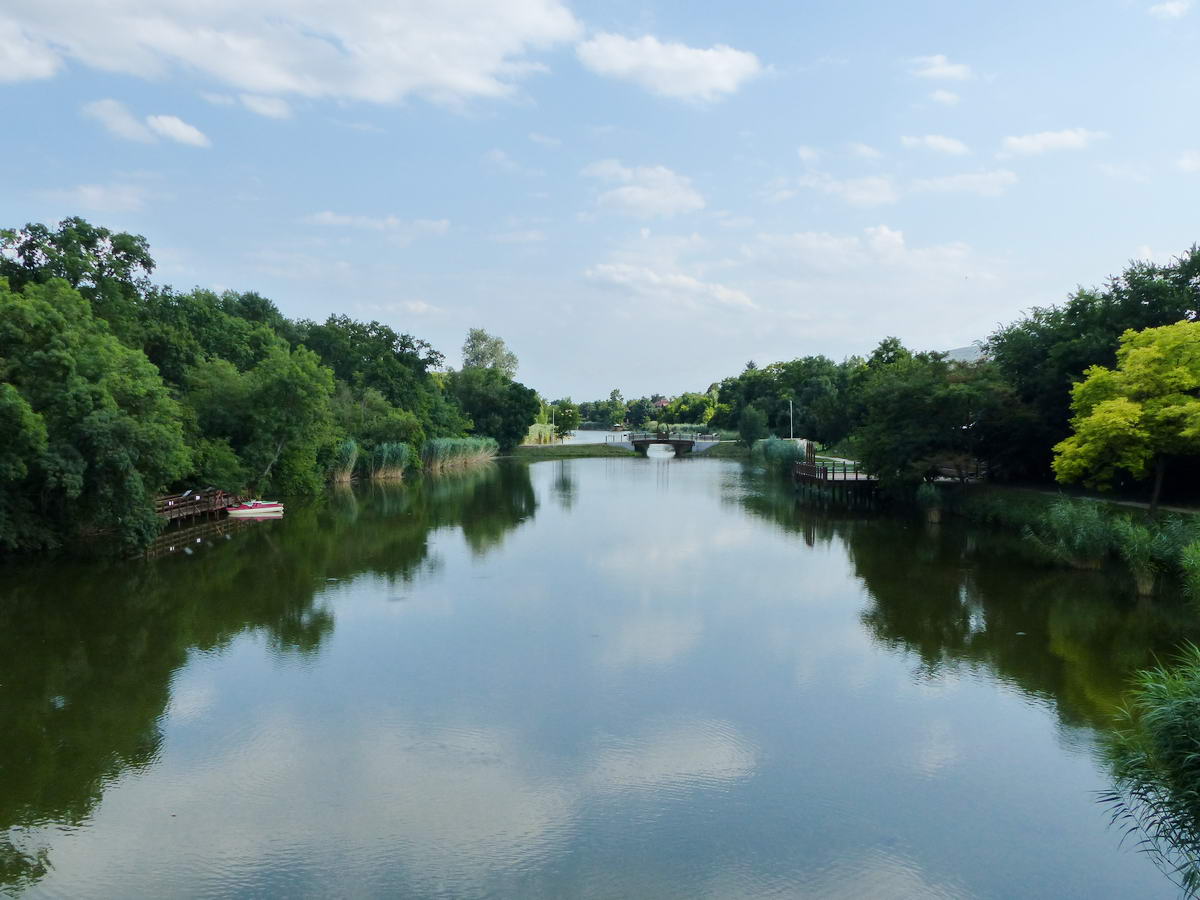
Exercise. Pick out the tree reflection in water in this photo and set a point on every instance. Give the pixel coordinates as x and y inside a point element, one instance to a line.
<point>88,650</point>
<point>954,597</point>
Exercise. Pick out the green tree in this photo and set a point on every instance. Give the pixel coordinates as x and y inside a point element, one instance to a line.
<point>1045,352</point>
<point>566,417</point>
<point>288,406</point>
<point>499,407</point>
<point>752,425</point>
<point>483,351</point>
<point>1135,416</point>
<point>920,415</point>
<point>96,431</point>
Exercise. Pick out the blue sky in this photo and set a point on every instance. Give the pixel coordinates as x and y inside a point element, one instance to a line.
<point>642,196</point>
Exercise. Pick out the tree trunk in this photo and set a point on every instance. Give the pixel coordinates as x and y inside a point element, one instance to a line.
<point>267,470</point>
<point>1159,468</point>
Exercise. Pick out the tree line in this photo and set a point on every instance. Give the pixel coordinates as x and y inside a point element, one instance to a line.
<point>113,388</point>
<point>1132,345</point>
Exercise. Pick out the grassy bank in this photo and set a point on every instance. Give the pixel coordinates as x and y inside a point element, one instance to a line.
<point>726,450</point>
<point>529,453</point>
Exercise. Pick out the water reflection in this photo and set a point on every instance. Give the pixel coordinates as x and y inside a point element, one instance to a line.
<point>88,651</point>
<point>957,598</point>
<point>607,677</point>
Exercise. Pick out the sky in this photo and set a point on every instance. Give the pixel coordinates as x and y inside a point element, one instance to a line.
<point>641,196</point>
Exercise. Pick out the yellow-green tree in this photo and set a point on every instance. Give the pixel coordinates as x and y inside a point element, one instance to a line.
<point>1135,416</point>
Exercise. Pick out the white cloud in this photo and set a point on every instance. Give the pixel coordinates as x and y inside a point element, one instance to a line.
<point>938,66</point>
<point>808,154</point>
<point>109,198</point>
<point>874,190</point>
<point>937,142</point>
<point>175,129</point>
<point>1123,172</point>
<point>674,287</point>
<point>271,107</point>
<point>498,159</point>
<point>23,58</point>
<point>670,69</point>
<point>338,49</point>
<point>986,184</point>
<point>646,191</point>
<point>402,231</point>
<point>118,120</point>
<point>528,236</point>
<point>544,140</point>
<point>863,151</point>
<point>1045,141</point>
<point>1172,9</point>
<point>944,97</point>
<point>1189,161</point>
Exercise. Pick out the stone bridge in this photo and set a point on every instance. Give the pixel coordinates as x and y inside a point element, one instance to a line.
<point>680,443</point>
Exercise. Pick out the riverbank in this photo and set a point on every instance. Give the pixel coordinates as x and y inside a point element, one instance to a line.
<point>540,452</point>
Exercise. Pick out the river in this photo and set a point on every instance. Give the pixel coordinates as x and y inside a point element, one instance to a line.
<point>593,677</point>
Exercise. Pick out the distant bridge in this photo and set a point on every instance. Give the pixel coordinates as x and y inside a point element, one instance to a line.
<point>680,442</point>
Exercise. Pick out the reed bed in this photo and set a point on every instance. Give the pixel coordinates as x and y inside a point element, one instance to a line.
<point>777,453</point>
<point>1157,769</point>
<point>444,454</point>
<point>389,460</point>
<point>345,458</point>
<point>539,433</point>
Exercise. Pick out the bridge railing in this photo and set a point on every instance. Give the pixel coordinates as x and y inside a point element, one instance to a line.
<point>661,436</point>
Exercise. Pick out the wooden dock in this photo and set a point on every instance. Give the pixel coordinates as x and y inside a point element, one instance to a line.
<point>833,473</point>
<point>194,503</point>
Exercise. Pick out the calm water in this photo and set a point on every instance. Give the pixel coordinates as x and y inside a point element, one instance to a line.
<point>601,678</point>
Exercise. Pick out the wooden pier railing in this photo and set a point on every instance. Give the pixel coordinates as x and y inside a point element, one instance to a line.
<point>831,471</point>
<point>194,503</point>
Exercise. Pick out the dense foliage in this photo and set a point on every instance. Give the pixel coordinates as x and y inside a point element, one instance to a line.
<point>1135,416</point>
<point>113,389</point>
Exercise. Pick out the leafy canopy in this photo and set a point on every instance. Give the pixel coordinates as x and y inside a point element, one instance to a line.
<point>1141,411</point>
<point>484,351</point>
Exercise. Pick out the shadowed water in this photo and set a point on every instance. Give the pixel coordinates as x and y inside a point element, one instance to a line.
<point>602,678</point>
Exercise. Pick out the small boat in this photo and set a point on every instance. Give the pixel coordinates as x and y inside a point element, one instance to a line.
<point>256,509</point>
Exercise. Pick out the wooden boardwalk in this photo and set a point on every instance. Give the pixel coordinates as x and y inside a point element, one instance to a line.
<point>833,473</point>
<point>194,503</point>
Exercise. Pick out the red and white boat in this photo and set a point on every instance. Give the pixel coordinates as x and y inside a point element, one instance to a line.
<point>256,509</point>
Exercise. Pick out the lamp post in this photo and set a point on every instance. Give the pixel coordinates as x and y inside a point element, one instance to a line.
<point>791,422</point>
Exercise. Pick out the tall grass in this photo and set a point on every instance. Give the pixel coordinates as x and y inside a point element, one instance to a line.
<point>1189,565</point>
<point>1156,768</point>
<point>345,457</point>
<point>539,433</point>
<point>442,454</point>
<point>777,454</point>
<point>1141,549</point>
<point>1074,532</point>
<point>389,460</point>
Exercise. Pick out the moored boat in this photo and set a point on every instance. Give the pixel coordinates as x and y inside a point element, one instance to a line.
<point>256,509</point>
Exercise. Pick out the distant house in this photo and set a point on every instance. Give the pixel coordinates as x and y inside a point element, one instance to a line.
<point>661,404</point>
